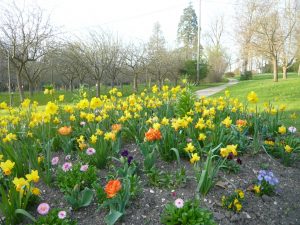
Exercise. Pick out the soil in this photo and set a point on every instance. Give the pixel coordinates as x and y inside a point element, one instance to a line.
<point>281,209</point>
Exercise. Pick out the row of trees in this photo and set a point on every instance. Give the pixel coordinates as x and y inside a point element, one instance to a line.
<point>34,53</point>
<point>268,31</point>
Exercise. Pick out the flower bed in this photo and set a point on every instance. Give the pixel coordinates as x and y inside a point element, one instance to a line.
<point>191,161</point>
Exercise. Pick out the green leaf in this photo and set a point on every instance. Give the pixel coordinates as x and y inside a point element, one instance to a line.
<point>177,154</point>
<point>25,213</point>
<point>87,197</point>
<point>112,217</point>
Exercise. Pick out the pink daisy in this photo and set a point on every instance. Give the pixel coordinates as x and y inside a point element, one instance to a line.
<point>43,208</point>
<point>54,161</point>
<point>179,203</point>
<point>62,214</point>
<point>84,168</point>
<point>67,166</point>
<point>90,151</point>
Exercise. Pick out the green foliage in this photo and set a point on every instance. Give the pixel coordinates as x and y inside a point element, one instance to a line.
<point>286,148</point>
<point>190,69</point>
<point>206,179</point>
<point>189,214</point>
<point>247,75</point>
<point>234,201</point>
<point>285,92</point>
<point>229,74</point>
<point>188,27</point>
<point>52,218</point>
<point>231,166</point>
<point>185,102</point>
<point>167,179</point>
<point>68,180</point>
<point>78,199</point>
<point>130,184</point>
<point>13,204</point>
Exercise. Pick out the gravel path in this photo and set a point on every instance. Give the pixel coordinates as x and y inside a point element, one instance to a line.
<point>213,90</point>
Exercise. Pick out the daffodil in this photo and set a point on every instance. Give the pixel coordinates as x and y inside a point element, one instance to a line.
<point>93,139</point>
<point>282,129</point>
<point>194,158</point>
<point>189,147</point>
<point>7,166</point>
<point>288,149</point>
<point>252,97</point>
<point>227,122</point>
<point>33,176</point>
<point>20,183</point>
<point>202,137</point>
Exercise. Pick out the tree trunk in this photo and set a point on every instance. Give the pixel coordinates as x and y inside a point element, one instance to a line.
<point>98,88</point>
<point>135,87</point>
<point>284,72</point>
<point>275,69</point>
<point>71,85</point>
<point>30,86</point>
<point>299,70</point>
<point>245,65</point>
<point>149,82</point>
<point>19,83</point>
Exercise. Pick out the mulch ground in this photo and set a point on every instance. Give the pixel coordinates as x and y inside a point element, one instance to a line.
<point>280,209</point>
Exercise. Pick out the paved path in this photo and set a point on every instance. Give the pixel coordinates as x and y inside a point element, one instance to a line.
<point>213,90</point>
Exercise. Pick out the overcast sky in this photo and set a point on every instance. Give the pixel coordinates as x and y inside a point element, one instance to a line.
<point>131,19</point>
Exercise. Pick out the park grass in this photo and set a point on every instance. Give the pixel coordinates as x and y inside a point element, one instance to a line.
<point>283,92</point>
<point>71,97</point>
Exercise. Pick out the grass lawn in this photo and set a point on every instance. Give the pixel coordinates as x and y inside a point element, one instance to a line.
<point>284,92</point>
<point>71,96</point>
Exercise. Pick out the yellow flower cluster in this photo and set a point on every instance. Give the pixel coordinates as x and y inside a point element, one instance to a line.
<point>224,152</point>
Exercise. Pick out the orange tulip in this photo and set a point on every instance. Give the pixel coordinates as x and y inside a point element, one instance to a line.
<point>116,127</point>
<point>65,130</point>
<point>241,123</point>
<point>112,188</point>
<point>152,135</point>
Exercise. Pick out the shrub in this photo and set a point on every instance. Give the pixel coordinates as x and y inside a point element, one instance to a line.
<point>247,75</point>
<point>229,74</point>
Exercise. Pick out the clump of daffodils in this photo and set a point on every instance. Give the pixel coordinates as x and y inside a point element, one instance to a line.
<point>234,201</point>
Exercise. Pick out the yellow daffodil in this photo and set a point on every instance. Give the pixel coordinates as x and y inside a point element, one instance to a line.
<point>201,137</point>
<point>20,183</point>
<point>194,158</point>
<point>93,139</point>
<point>7,166</point>
<point>252,97</point>
<point>33,176</point>
<point>61,98</point>
<point>288,149</point>
<point>282,129</point>
<point>227,122</point>
<point>189,147</point>
<point>36,191</point>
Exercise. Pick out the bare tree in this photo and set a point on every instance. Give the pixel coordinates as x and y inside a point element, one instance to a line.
<point>116,60</point>
<point>97,56</point>
<point>245,28</point>
<point>26,33</point>
<point>215,33</point>
<point>269,37</point>
<point>216,54</point>
<point>157,55</point>
<point>135,60</point>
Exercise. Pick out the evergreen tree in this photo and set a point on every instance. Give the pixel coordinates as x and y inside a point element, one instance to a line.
<point>187,31</point>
